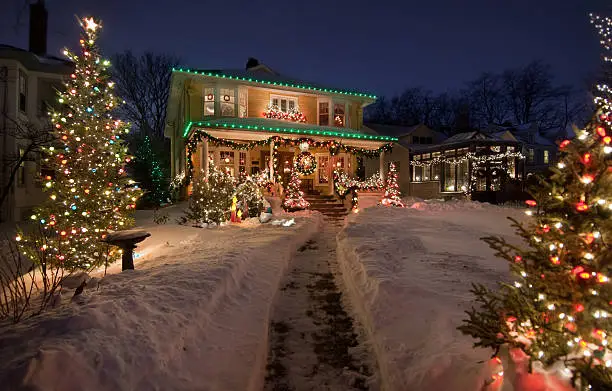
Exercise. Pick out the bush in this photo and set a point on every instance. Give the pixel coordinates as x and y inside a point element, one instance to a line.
<point>211,198</point>
<point>250,193</point>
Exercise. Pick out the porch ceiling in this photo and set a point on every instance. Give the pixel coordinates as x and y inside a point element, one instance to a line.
<point>267,128</point>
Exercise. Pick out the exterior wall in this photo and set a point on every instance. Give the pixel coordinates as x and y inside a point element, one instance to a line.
<point>258,100</point>
<point>308,105</point>
<point>401,156</point>
<point>425,190</point>
<point>355,119</point>
<point>40,90</point>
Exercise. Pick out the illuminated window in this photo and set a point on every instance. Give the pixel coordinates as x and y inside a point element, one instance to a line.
<point>242,103</point>
<point>23,91</point>
<point>531,155</point>
<point>322,169</point>
<point>546,156</point>
<point>21,172</point>
<point>242,163</point>
<point>284,103</point>
<point>227,99</point>
<point>324,113</point>
<point>226,161</point>
<point>339,117</point>
<point>209,102</point>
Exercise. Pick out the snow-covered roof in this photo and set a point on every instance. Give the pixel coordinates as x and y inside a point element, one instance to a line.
<point>34,62</point>
<point>263,77</point>
<point>278,126</point>
<point>392,130</point>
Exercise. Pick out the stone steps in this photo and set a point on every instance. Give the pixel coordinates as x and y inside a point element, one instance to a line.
<point>328,205</point>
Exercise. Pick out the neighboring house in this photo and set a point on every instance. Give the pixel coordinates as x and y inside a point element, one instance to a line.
<point>408,137</point>
<point>28,83</point>
<point>539,148</point>
<point>483,164</point>
<point>271,117</point>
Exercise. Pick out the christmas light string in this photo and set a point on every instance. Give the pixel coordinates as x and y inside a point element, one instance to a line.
<point>470,156</point>
<point>333,146</point>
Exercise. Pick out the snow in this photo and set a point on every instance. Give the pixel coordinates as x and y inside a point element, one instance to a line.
<point>408,272</point>
<point>193,315</point>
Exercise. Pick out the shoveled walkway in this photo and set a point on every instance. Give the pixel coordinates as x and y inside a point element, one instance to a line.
<point>313,342</point>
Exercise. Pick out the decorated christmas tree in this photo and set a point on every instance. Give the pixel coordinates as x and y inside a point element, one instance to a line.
<point>557,311</point>
<point>392,193</point>
<point>211,198</point>
<point>90,193</point>
<point>294,196</point>
<point>148,171</point>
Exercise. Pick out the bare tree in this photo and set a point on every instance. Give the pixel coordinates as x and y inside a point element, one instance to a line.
<point>29,139</point>
<point>144,83</point>
<point>488,99</point>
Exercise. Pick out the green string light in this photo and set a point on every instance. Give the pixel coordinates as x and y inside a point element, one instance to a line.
<point>268,82</point>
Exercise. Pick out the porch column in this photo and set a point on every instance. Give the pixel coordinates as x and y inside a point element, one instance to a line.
<point>332,168</point>
<point>382,165</point>
<point>272,162</point>
<point>205,162</point>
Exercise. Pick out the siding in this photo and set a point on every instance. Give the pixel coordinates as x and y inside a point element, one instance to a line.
<point>258,100</point>
<point>308,105</point>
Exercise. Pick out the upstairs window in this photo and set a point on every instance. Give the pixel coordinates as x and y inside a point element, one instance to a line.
<point>242,103</point>
<point>531,156</point>
<point>546,156</point>
<point>209,102</point>
<point>284,103</point>
<point>324,113</point>
<point>23,91</point>
<point>339,118</point>
<point>228,101</point>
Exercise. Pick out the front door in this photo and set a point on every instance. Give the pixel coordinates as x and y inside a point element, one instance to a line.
<point>322,174</point>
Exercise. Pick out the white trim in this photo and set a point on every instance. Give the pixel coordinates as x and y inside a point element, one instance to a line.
<point>285,97</point>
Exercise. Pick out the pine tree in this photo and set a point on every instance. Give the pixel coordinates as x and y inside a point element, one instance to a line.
<point>557,310</point>
<point>148,171</point>
<point>392,193</point>
<point>211,197</point>
<point>294,196</point>
<point>90,193</point>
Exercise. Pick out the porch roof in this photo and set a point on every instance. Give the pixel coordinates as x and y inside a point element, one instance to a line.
<point>275,126</point>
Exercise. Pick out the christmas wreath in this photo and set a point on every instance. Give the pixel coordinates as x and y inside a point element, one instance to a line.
<point>306,163</point>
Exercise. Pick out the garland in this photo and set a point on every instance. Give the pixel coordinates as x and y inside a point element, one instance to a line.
<point>333,146</point>
<point>294,115</point>
<point>470,156</point>
<point>343,184</point>
<point>305,163</point>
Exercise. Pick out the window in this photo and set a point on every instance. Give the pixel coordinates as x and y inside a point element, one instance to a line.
<point>324,113</point>
<point>227,102</point>
<point>226,161</point>
<point>254,167</point>
<point>209,102</point>
<point>463,177</point>
<point>284,103</point>
<point>242,103</point>
<point>546,156</point>
<point>23,91</point>
<point>531,156</point>
<point>339,118</point>
<point>242,163</point>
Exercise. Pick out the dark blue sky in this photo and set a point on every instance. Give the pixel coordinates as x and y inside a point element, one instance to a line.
<point>376,46</point>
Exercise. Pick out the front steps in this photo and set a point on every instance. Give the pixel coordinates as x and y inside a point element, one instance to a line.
<point>328,205</point>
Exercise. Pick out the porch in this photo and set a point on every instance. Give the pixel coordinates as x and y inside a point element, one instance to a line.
<point>262,151</point>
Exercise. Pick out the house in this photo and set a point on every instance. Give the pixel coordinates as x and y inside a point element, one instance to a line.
<point>485,165</point>
<point>408,137</point>
<point>247,121</point>
<point>29,80</point>
<point>538,147</point>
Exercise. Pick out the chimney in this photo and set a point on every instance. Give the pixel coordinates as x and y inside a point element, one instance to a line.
<point>38,28</point>
<point>252,63</point>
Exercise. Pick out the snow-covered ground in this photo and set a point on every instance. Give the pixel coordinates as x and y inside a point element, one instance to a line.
<point>193,315</point>
<point>408,273</point>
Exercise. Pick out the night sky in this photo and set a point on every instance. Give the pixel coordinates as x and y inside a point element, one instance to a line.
<point>375,46</point>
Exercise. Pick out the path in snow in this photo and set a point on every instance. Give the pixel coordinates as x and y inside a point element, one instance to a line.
<point>313,342</point>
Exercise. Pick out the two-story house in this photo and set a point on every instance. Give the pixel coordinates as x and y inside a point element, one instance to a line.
<point>251,120</point>
<point>29,80</point>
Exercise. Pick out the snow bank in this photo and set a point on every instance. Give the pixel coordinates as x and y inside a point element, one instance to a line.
<point>407,273</point>
<point>193,315</point>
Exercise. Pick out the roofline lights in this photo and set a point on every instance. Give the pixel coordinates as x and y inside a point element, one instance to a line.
<point>312,132</point>
<point>273,83</point>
